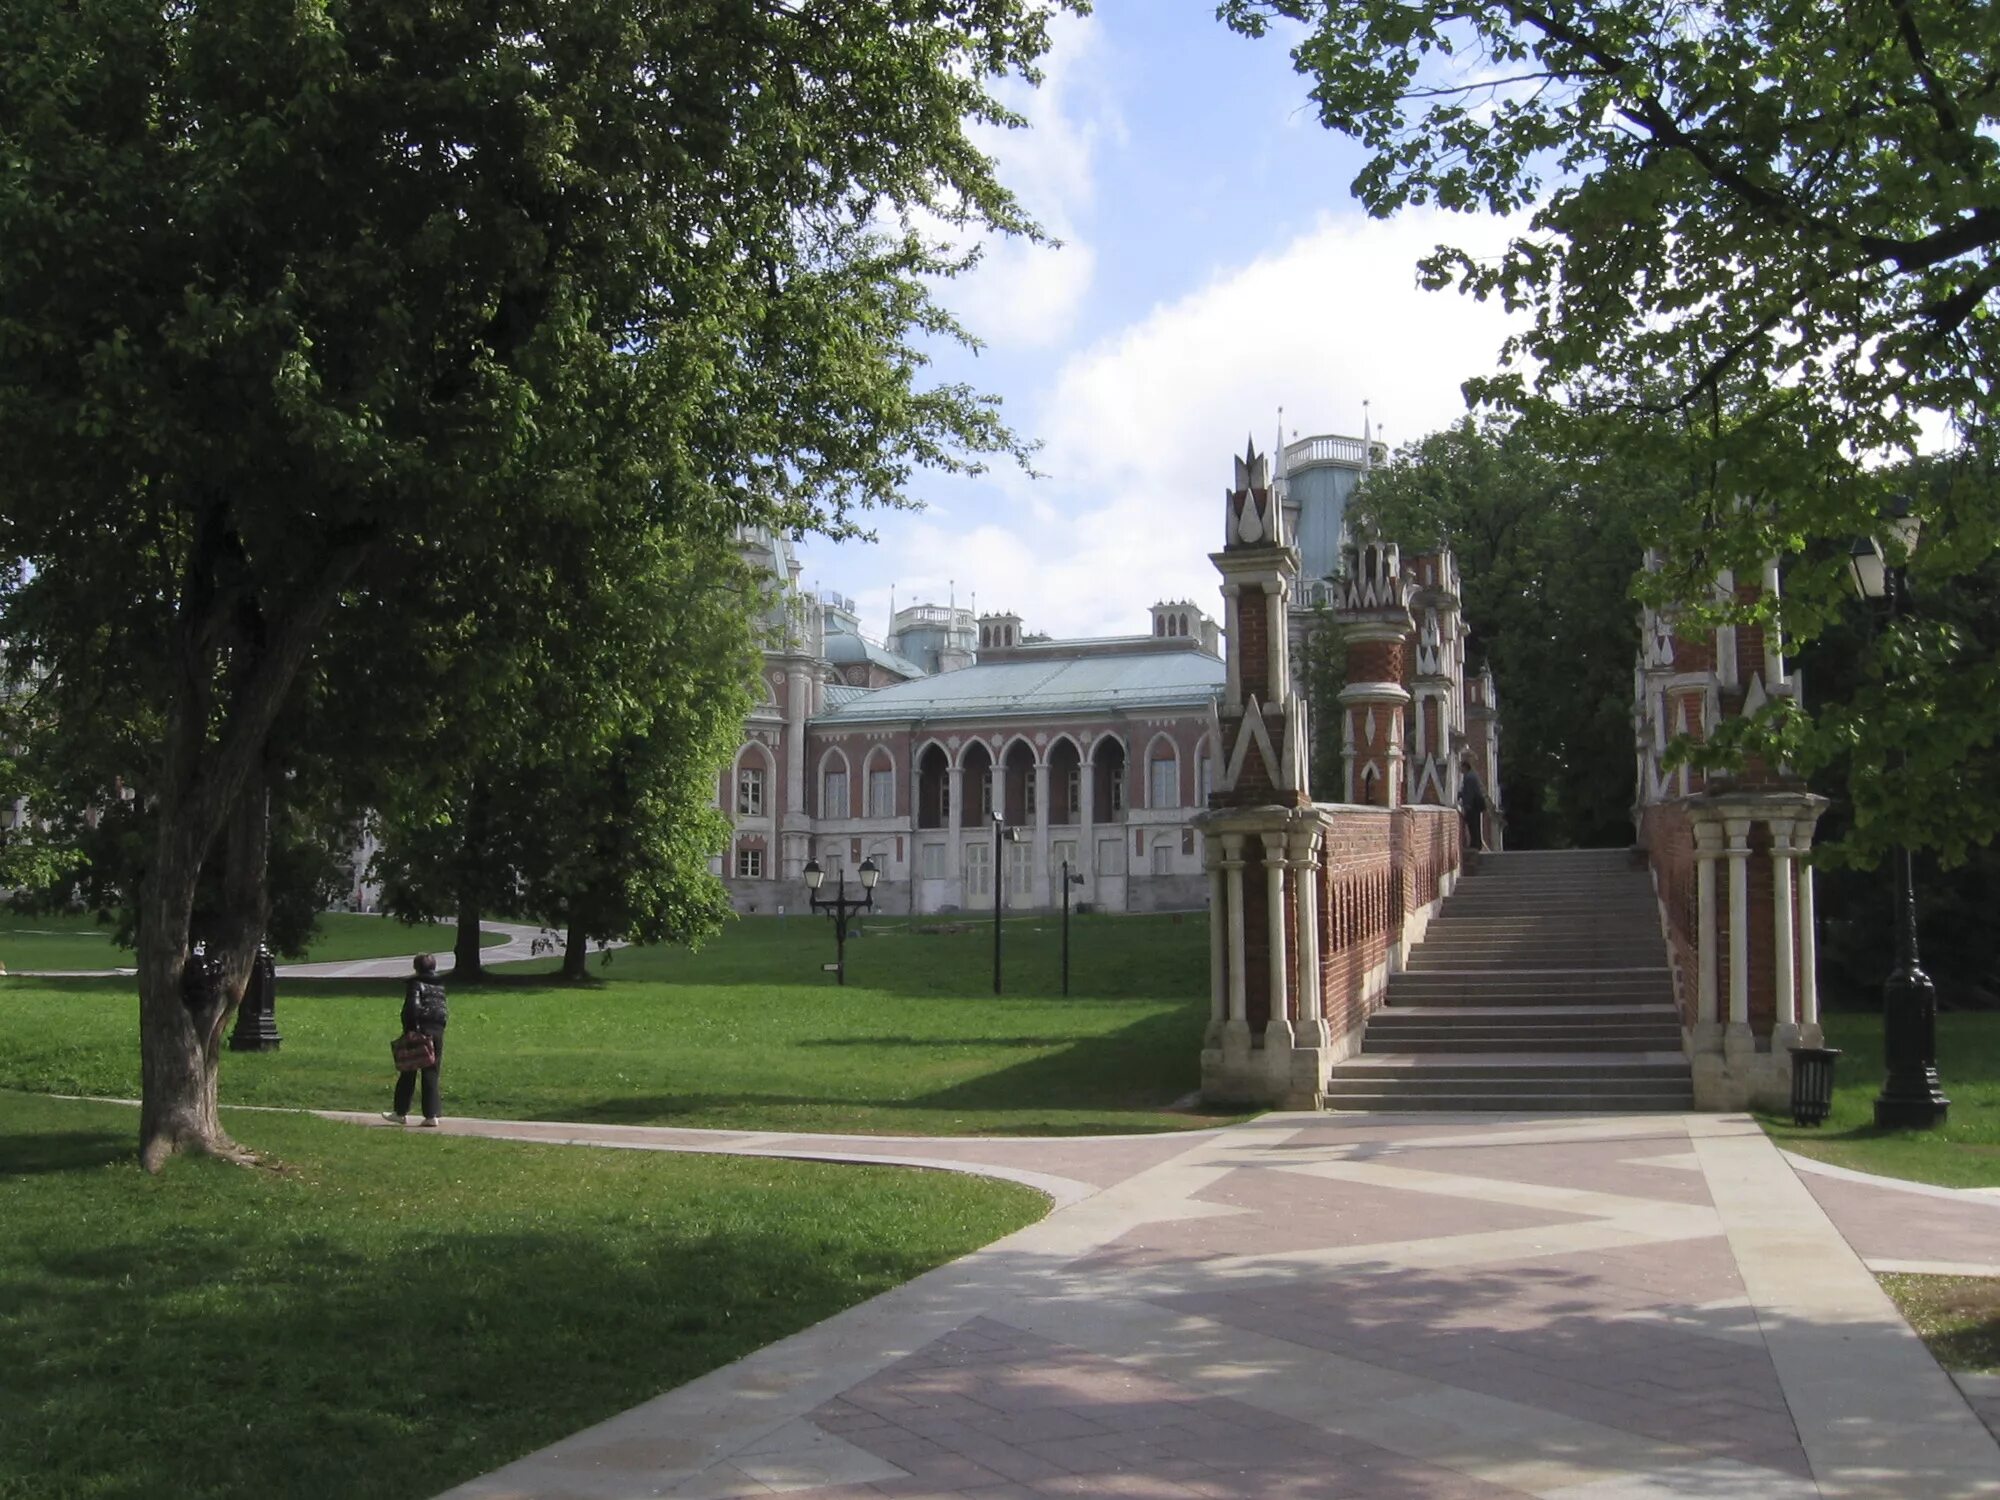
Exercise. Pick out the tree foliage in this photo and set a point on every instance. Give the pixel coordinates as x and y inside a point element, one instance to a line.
<point>1546,555</point>
<point>1758,248</point>
<point>308,310</point>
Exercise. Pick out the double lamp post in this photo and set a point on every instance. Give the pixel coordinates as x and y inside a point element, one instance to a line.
<point>840,906</point>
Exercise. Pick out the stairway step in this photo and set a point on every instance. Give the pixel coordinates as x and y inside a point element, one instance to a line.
<point>1500,1046</point>
<point>1662,1102</point>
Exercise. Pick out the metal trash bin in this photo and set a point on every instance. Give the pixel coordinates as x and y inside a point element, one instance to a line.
<point>1812,1084</point>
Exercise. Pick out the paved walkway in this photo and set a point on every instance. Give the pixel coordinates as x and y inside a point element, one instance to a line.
<point>520,936</point>
<point>1372,1307</point>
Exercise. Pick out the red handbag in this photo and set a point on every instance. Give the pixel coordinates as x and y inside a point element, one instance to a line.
<point>413,1050</point>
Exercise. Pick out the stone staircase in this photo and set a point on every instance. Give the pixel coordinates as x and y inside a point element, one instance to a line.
<point>1542,984</point>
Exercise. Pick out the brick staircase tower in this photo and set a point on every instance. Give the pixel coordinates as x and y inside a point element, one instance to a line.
<point>1542,984</point>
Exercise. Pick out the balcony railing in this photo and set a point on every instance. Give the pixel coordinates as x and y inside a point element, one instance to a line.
<point>1350,452</point>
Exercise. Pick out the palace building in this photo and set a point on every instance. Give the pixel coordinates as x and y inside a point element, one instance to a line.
<point>1091,756</point>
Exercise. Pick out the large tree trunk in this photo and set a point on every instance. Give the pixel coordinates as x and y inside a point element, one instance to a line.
<point>210,786</point>
<point>576,954</point>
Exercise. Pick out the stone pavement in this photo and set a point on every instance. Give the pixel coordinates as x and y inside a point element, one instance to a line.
<point>1372,1307</point>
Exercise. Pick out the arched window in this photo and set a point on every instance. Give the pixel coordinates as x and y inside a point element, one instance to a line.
<point>833,785</point>
<point>1163,774</point>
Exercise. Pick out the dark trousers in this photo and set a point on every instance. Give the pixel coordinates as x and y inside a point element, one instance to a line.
<point>1475,837</point>
<point>406,1083</point>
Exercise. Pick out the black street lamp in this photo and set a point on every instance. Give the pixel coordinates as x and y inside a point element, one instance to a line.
<point>839,907</point>
<point>1910,1097</point>
<point>1068,880</point>
<point>1002,834</point>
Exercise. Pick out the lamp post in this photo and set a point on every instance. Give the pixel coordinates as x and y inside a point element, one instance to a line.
<point>1068,880</point>
<point>1910,1097</point>
<point>1002,834</point>
<point>840,907</point>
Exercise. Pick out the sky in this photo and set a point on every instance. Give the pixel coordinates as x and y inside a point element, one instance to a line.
<point>1213,269</point>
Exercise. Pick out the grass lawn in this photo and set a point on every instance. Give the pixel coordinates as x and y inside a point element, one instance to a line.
<point>1958,1317</point>
<point>746,1033</point>
<point>393,1313</point>
<point>1964,1153</point>
<point>80,942</point>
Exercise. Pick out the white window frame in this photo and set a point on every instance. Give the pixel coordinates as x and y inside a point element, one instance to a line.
<point>749,863</point>
<point>1170,781</point>
<point>750,791</point>
<point>978,868</point>
<point>832,778</point>
<point>881,792</point>
<point>1020,869</point>
<point>931,861</point>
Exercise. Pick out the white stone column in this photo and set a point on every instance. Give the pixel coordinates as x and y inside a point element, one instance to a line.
<point>1086,842</point>
<point>954,820</point>
<point>1310,1029</point>
<point>1739,920</point>
<point>1810,1034</point>
<point>1278,1030</point>
<point>996,800</point>
<point>1784,983</point>
<point>1280,653</point>
<point>1236,1025</point>
<point>1707,847</point>
<point>1218,954</point>
<point>1038,883</point>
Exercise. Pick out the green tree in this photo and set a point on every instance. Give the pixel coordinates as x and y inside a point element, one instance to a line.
<point>297,302</point>
<point>578,787</point>
<point>1760,245</point>
<point>1546,555</point>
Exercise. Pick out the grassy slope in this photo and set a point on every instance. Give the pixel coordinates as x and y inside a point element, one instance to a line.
<point>747,1032</point>
<point>69,942</point>
<point>394,1312</point>
<point>1964,1153</point>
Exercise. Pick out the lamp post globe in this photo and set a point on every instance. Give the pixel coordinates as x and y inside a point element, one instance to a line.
<point>870,873</point>
<point>815,876</point>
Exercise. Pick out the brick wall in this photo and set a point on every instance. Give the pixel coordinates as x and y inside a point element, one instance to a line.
<point>1376,869</point>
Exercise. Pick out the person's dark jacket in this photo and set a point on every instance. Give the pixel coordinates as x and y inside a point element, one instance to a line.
<point>423,1006</point>
<point>1471,795</point>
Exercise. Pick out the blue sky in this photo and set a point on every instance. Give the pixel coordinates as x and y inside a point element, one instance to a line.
<point>1213,269</point>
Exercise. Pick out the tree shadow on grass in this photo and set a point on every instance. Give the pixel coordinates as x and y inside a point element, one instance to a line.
<point>296,1367</point>
<point>1143,1067</point>
<point>43,1152</point>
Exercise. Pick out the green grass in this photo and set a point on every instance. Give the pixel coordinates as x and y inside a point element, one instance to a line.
<point>81,942</point>
<point>1957,1316</point>
<point>393,1312</point>
<point>1965,1152</point>
<point>746,1033</point>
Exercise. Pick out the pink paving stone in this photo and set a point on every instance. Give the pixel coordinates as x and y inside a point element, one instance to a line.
<point>1598,1166</point>
<point>1538,1333</point>
<point>1077,1423</point>
<point>1286,1211</point>
<point>1883,1223</point>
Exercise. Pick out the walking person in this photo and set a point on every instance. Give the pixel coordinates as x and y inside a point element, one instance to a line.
<point>423,1012</point>
<point>1471,805</point>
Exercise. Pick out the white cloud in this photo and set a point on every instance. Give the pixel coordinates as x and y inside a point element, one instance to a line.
<point>1139,430</point>
<point>1025,295</point>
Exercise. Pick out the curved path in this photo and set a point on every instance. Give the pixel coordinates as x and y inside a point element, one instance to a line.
<point>1458,1307</point>
<point>520,936</point>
